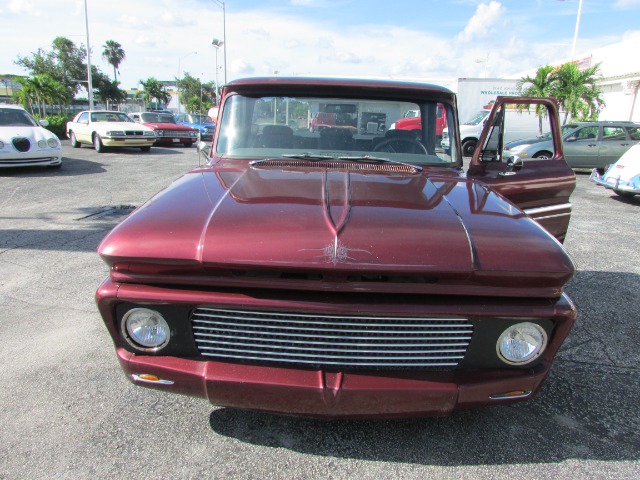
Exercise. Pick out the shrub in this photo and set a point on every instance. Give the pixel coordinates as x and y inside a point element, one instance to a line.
<point>58,125</point>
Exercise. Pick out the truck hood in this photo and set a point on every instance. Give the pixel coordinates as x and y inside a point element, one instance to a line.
<point>337,229</point>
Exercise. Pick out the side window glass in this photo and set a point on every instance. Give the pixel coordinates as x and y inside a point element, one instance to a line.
<point>613,133</point>
<point>634,133</point>
<point>586,133</point>
<point>84,118</point>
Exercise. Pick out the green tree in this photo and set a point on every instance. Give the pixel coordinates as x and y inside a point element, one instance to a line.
<point>191,87</point>
<point>107,90</point>
<point>64,63</point>
<point>153,89</point>
<point>541,85</point>
<point>577,91</point>
<point>114,55</point>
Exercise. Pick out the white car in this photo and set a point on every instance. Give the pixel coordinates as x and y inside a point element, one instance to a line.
<point>624,175</point>
<point>24,142</point>
<point>103,128</point>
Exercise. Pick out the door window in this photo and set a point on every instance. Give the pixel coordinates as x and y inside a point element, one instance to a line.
<point>586,133</point>
<point>613,134</point>
<point>634,133</point>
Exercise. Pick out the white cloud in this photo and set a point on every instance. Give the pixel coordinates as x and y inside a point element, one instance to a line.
<point>23,6</point>
<point>483,21</point>
<point>626,3</point>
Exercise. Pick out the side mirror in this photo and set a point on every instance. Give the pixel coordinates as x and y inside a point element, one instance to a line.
<point>43,122</point>
<point>204,152</point>
<point>570,139</point>
<point>513,166</point>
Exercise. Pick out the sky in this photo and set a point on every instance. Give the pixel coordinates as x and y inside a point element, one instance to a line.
<point>404,39</point>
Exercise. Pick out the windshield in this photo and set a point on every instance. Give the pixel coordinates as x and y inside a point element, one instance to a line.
<point>201,119</point>
<point>157,118</point>
<point>110,117</point>
<point>12,117</point>
<point>477,118</point>
<point>308,127</point>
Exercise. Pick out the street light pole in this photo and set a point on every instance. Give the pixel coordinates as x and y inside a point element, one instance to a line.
<point>575,35</point>
<point>180,75</point>
<point>90,84</point>
<point>224,35</point>
<point>217,44</point>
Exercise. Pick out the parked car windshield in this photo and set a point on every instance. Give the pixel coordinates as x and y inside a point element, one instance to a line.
<point>477,118</point>
<point>110,117</point>
<point>201,119</point>
<point>157,118</point>
<point>260,127</point>
<point>12,117</point>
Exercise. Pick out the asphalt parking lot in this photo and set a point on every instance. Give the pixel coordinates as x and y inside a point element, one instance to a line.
<point>68,412</point>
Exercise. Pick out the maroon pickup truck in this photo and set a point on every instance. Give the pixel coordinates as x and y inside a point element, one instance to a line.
<point>340,274</point>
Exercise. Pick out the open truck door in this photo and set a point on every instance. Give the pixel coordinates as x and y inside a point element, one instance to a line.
<point>540,187</point>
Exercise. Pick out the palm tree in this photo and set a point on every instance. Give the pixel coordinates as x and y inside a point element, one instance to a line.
<point>577,91</point>
<point>154,89</point>
<point>114,55</point>
<point>539,86</point>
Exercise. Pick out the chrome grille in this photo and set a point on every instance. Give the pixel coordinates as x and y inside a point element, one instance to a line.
<point>328,340</point>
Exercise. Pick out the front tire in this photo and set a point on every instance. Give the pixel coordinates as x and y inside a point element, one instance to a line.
<point>74,141</point>
<point>544,155</point>
<point>624,194</point>
<point>97,144</point>
<point>468,147</point>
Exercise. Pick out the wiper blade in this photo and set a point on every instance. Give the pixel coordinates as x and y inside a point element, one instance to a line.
<point>308,156</point>
<point>370,159</point>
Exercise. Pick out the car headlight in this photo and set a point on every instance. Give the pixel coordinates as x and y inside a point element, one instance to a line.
<point>521,343</point>
<point>193,134</point>
<point>145,329</point>
<point>115,133</point>
<point>148,133</point>
<point>159,133</point>
<point>42,143</point>
<point>53,143</point>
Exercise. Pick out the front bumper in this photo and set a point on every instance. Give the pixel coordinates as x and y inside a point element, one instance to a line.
<point>44,159</point>
<point>317,393</point>
<point>128,142</point>
<point>614,183</point>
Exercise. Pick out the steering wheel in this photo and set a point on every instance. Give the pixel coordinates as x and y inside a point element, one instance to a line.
<point>400,145</point>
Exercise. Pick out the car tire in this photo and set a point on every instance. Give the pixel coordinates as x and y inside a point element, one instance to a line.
<point>623,194</point>
<point>74,141</point>
<point>97,143</point>
<point>543,155</point>
<point>145,149</point>
<point>468,147</point>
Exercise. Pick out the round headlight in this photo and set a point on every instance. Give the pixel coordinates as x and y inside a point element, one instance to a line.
<point>521,343</point>
<point>42,143</point>
<point>159,133</point>
<point>52,142</point>
<point>145,329</point>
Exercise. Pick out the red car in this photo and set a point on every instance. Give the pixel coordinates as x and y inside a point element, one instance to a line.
<point>168,132</point>
<point>412,121</point>
<point>370,277</point>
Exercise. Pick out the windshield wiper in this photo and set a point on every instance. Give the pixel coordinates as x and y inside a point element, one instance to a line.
<point>308,156</point>
<point>370,159</point>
